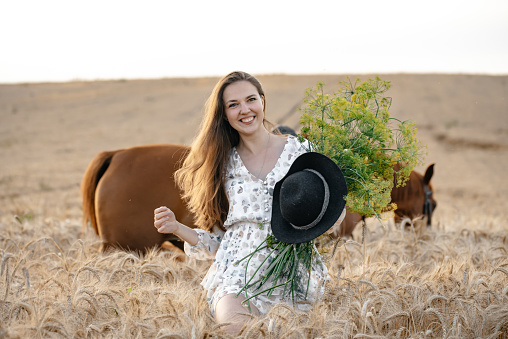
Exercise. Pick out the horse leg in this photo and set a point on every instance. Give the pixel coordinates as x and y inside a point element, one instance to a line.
<point>179,253</point>
<point>348,225</point>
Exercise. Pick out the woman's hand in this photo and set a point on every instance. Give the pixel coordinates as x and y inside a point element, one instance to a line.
<point>165,220</point>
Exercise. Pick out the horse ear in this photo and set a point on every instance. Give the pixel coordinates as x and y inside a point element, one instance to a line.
<point>428,174</point>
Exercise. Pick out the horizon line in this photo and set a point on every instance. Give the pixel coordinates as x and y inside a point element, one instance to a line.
<point>257,74</point>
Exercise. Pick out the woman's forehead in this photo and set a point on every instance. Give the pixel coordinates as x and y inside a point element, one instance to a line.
<point>239,90</point>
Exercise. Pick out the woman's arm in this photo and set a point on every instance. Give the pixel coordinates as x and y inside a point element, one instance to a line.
<point>165,222</point>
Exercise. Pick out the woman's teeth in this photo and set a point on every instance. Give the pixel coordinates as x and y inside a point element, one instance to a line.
<point>249,119</point>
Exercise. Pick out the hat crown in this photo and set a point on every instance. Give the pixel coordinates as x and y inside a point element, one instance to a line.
<point>304,195</point>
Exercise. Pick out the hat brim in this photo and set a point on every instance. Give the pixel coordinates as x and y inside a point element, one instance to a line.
<point>281,228</point>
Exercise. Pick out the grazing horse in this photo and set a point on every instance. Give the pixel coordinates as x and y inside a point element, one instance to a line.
<point>413,200</point>
<point>120,190</point>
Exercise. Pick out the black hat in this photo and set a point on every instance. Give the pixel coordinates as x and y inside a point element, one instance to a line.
<point>309,199</point>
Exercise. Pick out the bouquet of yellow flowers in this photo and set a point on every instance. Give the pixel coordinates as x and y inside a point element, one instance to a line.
<point>353,128</point>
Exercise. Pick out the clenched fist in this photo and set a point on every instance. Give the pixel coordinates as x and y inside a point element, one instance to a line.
<point>165,220</point>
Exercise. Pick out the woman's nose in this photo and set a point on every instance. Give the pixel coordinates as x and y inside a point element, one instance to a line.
<point>244,108</point>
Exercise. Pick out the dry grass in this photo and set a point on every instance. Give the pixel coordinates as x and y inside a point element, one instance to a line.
<point>398,283</point>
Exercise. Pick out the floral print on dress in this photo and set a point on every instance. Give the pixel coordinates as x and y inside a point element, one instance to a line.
<point>247,225</point>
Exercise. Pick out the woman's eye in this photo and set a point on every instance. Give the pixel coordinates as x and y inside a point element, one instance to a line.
<point>232,105</point>
<point>252,99</point>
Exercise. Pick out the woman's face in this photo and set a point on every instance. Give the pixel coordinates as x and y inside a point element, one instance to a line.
<point>244,107</point>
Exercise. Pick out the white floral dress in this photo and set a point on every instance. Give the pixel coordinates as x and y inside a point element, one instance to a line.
<point>247,225</point>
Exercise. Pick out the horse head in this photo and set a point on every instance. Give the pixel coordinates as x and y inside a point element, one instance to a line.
<point>416,198</point>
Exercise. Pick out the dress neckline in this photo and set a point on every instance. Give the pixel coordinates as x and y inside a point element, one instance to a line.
<point>275,165</point>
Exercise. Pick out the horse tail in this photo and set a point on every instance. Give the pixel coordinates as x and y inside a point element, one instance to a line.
<point>93,174</point>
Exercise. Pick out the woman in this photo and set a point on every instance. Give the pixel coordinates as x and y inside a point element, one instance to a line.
<point>228,179</point>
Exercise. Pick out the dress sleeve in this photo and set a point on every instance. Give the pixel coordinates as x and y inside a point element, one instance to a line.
<point>207,245</point>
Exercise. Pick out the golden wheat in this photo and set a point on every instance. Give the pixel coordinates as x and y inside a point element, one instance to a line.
<point>399,283</point>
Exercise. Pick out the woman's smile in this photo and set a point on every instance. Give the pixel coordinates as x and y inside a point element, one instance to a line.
<point>247,119</point>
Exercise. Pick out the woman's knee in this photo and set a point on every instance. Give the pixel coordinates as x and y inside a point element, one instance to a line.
<point>231,309</point>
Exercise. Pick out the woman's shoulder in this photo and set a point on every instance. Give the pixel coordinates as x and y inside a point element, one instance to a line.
<point>299,143</point>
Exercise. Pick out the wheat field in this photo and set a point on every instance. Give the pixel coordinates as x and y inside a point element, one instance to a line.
<point>448,281</point>
<point>409,283</point>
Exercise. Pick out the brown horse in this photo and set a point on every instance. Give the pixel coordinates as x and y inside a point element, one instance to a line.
<point>120,190</point>
<point>414,200</point>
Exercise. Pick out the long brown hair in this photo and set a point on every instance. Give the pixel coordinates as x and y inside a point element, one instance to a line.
<point>201,176</point>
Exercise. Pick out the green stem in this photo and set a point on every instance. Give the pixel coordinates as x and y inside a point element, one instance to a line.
<point>263,291</point>
<point>293,266</point>
<point>309,267</point>
<point>392,161</point>
<point>278,258</point>
<point>246,267</point>
<point>250,254</point>
<point>276,267</point>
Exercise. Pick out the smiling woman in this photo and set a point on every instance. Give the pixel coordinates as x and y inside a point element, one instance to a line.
<point>229,179</point>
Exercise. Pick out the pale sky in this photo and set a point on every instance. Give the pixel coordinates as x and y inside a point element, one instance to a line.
<point>63,40</point>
